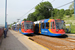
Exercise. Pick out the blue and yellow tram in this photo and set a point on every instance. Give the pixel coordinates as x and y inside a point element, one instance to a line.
<point>13,26</point>
<point>50,27</point>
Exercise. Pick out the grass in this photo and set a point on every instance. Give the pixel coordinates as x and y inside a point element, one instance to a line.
<point>72,20</point>
<point>72,28</point>
<point>69,18</point>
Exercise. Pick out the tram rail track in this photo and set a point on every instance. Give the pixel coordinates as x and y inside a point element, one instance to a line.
<point>54,43</point>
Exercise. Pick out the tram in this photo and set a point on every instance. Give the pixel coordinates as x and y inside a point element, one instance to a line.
<point>50,27</point>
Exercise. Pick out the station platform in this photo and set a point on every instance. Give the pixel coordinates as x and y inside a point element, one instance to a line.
<point>17,41</point>
<point>70,34</point>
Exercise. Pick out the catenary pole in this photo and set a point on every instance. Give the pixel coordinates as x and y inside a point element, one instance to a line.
<point>5,13</point>
<point>5,19</point>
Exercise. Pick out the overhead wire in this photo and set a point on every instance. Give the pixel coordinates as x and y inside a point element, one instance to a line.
<point>53,1</point>
<point>28,11</point>
<point>64,4</point>
<point>40,2</point>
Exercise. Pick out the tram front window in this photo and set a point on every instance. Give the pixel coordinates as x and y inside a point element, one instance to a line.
<point>60,24</point>
<point>28,25</point>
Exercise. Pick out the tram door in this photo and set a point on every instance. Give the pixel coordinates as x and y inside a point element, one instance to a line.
<point>39,27</point>
<point>46,28</point>
<point>19,27</point>
<point>22,27</point>
<point>42,28</point>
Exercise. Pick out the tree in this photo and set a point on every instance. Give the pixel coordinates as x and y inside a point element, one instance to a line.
<point>61,13</point>
<point>10,25</point>
<point>67,11</point>
<point>71,6</point>
<point>24,19</point>
<point>56,13</point>
<point>72,11</point>
<point>29,16</point>
<point>44,9</point>
<point>40,17</point>
<point>32,17</point>
<point>14,23</point>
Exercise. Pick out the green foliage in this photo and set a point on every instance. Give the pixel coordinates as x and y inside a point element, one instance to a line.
<point>72,11</point>
<point>10,25</point>
<point>14,23</point>
<point>42,11</point>
<point>56,12</point>
<point>32,17</point>
<point>61,13</point>
<point>70,20</point>
<point>71,6</point>
<point>24,19</point>
<point>72,28</point>
<point>45,10</point>
<point>67,12</point>
<point>40,17</point>
<point>29,17</point>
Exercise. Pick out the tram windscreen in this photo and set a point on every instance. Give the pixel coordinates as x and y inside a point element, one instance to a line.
<point>28,25</point>
<point>60,24</point>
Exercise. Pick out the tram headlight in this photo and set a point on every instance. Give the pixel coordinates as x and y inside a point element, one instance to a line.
<point>25,30</point>
<point>57,30</point>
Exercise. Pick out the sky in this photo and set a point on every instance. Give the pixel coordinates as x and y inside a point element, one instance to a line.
<point>17,8</point>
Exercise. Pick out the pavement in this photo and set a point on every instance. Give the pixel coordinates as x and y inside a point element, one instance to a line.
<point>17,41</point>
<point>70,34</point>
<point>1,38</point>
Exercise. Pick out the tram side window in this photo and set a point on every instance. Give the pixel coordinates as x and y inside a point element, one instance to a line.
<point>22,26</point>
<point>14,27</point>
<point>51,25</point>
<point>43,25</point>
<point>47,25</point>
<point>19,26</point>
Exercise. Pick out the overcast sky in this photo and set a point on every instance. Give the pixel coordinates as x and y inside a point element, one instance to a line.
<point>17,8</point>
